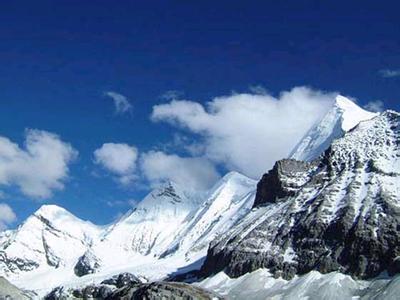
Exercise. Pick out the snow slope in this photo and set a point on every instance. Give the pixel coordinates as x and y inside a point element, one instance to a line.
<point>341,118</point>
<point>261,284</point>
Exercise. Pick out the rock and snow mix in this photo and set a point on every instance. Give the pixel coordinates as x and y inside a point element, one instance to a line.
<point>336,212</point>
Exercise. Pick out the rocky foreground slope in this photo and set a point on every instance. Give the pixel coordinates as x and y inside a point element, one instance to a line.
<point>340,212</point>
<point>129,287</point>
<point>10,291</point>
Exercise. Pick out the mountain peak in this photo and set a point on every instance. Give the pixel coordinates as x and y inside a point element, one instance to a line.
<point>50,211</point>
<point>344,102</point>
<point>351,113</point>
<point>341,118</point>
<point>345,204</point>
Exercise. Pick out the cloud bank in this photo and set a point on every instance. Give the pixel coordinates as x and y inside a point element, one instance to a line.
<point>248,132</point>
<point>155,167</point>
<point>121,103</point>
<point>7,216</point>
<point>40,167</point>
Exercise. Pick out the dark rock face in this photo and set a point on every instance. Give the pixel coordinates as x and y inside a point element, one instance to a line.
<point>17,264</point>
<point>340,213</point>
<point>87,264</point>
<point>88,292</point>
<point>282,181</point>
<point>121,280</point>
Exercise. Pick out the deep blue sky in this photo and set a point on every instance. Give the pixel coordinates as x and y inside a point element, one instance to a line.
<point>58,57</point>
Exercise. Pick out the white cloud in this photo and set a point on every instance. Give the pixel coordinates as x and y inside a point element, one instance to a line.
<point>7,216</point>
<point>38,168</point>
<point>193,172</point>
<point>119,159</point>
<point>388,73</point>
<point>375,106</point>
<point>121,103</point>
<point>248,132</point>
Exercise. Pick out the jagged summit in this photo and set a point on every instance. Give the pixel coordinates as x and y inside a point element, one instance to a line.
<point>342,117</point>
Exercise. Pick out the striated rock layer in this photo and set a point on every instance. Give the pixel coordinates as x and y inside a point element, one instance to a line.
<point>338,213</point>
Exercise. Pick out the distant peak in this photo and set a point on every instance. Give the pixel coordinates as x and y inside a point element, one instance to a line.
<point>233,175</point>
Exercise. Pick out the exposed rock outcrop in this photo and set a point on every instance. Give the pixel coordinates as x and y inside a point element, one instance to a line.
<point>87,264</point>
<point>126,286</point>
<point>283,181</point>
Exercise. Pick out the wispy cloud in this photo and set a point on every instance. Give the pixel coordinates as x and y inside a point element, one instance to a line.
<point>375,106</point>
<point>389,73</point>
<point>172,95</point>
<point>7,216</point>
<point>258,89</point>
<point>123,203</point>
<point>121,102</point>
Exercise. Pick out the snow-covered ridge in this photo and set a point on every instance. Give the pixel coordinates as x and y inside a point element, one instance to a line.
<point>341,118</point>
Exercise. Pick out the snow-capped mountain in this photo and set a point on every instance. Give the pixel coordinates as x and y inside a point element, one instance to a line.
<point>51,237</point>
<point>341,118</point>
<point>336,210</point>
<point>226,203</point>
<point>338,213</point>
<point>171,227</point>
<point>151,227</point>
<point>173,221</point>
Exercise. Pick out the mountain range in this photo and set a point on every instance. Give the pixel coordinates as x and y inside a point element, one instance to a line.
<point>328,215</point>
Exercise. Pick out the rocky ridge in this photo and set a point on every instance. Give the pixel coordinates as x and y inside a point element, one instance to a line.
<point>338,213</point>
